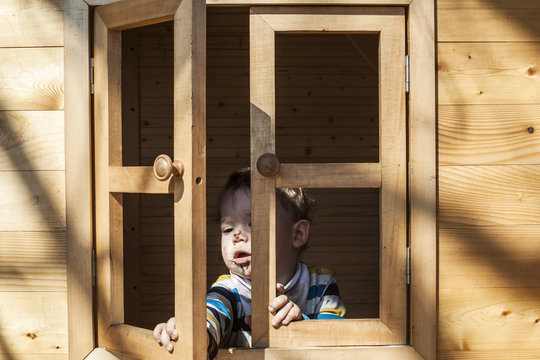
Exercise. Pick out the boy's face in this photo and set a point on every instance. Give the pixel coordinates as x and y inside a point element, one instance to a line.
<point>236,237</point>
<point>236,233</point>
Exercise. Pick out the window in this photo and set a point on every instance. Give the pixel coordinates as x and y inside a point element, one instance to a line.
<point>387,175</point>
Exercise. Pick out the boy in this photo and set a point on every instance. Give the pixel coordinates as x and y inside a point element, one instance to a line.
<point>308,293</point>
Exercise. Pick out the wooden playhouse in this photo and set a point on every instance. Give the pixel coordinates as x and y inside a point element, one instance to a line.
<point>412,122</point>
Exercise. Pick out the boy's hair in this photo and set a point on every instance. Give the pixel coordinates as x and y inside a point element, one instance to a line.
<point>296,201</point>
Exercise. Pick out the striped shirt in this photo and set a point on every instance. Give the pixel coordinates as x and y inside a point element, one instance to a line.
<point>228,302</point>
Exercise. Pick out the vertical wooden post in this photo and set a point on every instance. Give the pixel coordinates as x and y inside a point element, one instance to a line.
<point>423,172</point>
<point>190,193</point>
<point>78,179</point>
<point>263,198</point>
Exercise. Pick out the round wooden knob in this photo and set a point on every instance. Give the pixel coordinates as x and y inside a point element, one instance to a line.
<point>164,167</point>
<point>268,165</point>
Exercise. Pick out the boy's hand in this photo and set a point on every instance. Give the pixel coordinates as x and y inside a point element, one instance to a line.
<point>283,309</point>
<point>165,334</point>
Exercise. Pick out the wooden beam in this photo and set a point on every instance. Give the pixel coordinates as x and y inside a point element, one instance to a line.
<point>364,175</point>
<point>137,179</point>
<point>323,353</point>
<point>422,178</point>
<point>137,13</point>
<point>79,207</point>
<point>306,2</point>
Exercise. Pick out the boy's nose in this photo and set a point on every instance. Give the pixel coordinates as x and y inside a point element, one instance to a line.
<point>239,236</point>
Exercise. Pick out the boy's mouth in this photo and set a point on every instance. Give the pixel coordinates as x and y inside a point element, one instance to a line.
<point>242,257</point>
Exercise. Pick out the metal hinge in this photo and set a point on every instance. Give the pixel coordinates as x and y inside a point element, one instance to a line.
<point>408,271</point>
<point>93,267</point>
<point>91,75</point>
<point>407,74</point>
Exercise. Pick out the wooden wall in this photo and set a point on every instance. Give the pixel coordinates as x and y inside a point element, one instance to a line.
<point>488,117</point>
<point>33,310</point>
<point>489,179</point>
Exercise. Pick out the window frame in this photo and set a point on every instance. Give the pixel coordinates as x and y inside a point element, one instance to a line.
<point>389,174</point>
<point>422,177</point>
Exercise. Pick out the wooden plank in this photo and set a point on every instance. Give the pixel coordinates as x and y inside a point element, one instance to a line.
<point>101,354</point>
<point>306,2</point>
<point>32,201</point>
<point>31,23</point>
<point>136,342</point>
<point>488,73</point>
<point>263,199</point>
<point>359,19</point>
<point>393,202</point>
<point>422,178</point>
<point>515,354</point>
<point>489,195</point>
<point>329,175</point>
<point>489,256</point>
<point>32,78</point>
<point>489,318</point>
<point>137,13</point>
<point>488,134</point>
<point>32,261</point>
<point>78,158</point>
<point>190,191</point>
<point>321,353</point>
<point>32,140</point>
<point>101,134</point>
<point>494,20</point>
<point>350,332</point>
<point>137,179</point>
<point>34,325</point>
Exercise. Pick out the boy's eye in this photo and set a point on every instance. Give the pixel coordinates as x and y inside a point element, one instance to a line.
<point>227,230</point>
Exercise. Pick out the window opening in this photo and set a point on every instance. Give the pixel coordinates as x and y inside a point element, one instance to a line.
<point>327,98</point>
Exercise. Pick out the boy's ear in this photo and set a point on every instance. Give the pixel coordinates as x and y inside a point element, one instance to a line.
<point>300,233</point>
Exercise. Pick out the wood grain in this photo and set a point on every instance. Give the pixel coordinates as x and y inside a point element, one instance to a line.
<point>32,201</point>
<point>32,78</point>
<point>489,318</point>
<point>137,13</point>
<point>489,257</point>
<point>137,179</point>
<point>32,261</point>
<point>422,185</point>
<point>494,20</point>
<point>489,195</point>
<point>79,187</point>
<point>31,23</point>
<point>322,353</point>
<point>34,325</point>
<point>515,354</point>
<point>32,140</point>
<point>488,134</point>
<point>263,200</point>
<point>488,73</point>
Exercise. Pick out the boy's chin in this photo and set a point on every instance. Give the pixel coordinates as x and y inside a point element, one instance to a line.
<point>244,270</point>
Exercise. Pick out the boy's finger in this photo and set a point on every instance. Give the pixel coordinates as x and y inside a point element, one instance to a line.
<point>294,314</point>
<point>166,341</point>
<point>171,329</point>
<point>277,303</point>
<point>157,332</point>
<point>281,314</point>
<point>280,289</point>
